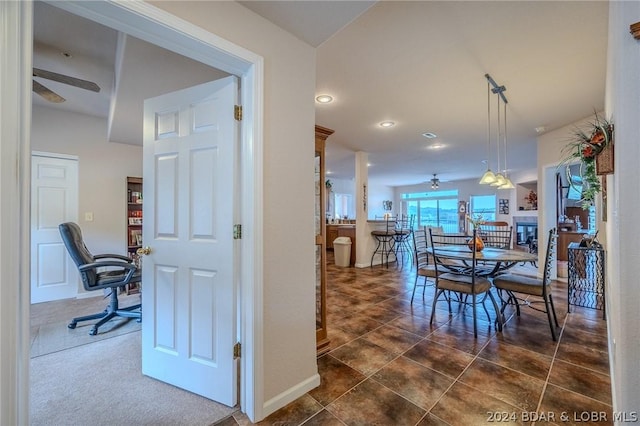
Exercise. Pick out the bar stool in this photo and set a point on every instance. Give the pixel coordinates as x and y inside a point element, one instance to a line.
<point>386,239</point>
<point>402,238</point>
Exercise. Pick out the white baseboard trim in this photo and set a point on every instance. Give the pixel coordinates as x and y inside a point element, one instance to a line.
<point>377,260</point>
<point>290,395</point>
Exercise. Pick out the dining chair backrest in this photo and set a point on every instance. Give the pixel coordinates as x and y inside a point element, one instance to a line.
<point>496,234</point>
<point>420,248</point>
<point>405,222</point>
<point>552,244</point>
<point>389,223</point>
<point>436,229</point>
<point>443,240</point>
<point>462,278</point>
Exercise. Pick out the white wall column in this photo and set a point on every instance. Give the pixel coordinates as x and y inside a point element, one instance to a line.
<point>623,257</point>
<point>15,159</point>
<point>362,207</point>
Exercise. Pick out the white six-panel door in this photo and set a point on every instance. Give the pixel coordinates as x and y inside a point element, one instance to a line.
<point>188,293</point>
<point>54,200</point>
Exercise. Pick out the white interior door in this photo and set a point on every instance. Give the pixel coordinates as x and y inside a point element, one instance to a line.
<point>54,200</point>
<point>188,293</point>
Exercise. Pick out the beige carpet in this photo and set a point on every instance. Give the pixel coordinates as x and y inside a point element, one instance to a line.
<point>101,384</point>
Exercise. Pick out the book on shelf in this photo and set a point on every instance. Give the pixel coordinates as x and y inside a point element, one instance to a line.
<point>135,237</point>
<point>135,221</point>
<point>135,197</point>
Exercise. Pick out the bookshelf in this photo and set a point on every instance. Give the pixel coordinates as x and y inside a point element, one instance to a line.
<point>134,222</point>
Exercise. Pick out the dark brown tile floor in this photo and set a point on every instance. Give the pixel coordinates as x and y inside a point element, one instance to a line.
<point>389,366</point>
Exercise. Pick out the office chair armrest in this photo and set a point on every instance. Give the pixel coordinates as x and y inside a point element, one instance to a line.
<point>124,265</point>
<point>113,256</point>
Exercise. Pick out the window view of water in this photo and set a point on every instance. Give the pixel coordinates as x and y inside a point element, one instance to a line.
<point>434,209</point>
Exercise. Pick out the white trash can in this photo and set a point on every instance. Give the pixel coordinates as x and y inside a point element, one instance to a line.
<point>342,251</point>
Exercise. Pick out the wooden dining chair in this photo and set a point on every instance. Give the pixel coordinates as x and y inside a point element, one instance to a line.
<point>466,284</point>
<point>531,286</point>
<point>496,234</point>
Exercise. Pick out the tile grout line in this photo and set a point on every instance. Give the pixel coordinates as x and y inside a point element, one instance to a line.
<point>553,360</point>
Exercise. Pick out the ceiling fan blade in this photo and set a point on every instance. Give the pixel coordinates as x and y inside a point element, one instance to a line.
<point>47,93</point>
<point>61,78</point>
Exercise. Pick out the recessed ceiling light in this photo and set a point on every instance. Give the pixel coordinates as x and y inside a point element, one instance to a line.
<point>540,129</point>
<point>324,99</point>
<point>436,146</point>
<point>387,124</point>
<point>430,135</point>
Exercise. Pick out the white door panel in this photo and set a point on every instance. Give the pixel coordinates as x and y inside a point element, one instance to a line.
<point>54,200</point>
<point>189,320</point>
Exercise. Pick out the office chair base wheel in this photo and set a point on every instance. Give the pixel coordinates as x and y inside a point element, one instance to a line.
<point>93,331</point>
<point>72,325</point>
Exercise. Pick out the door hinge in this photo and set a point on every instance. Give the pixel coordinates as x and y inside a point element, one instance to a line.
<point>237,350</point>
<point>237,112</point>
<point>237,232</point>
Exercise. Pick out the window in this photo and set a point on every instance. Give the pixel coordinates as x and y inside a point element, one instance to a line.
<point>484,205</point>
<point>343,206</point>
<point>435,208</point>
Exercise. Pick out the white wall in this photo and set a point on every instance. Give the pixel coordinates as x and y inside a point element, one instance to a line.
<point>103,169</point>
<point>288,179</point>
<point>623,256</point>
<point>376,194</point>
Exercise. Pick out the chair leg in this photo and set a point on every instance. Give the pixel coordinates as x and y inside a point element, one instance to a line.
<point>433,306</point>
<point>498,311</point>
<point>108,317</point>
<point>553,309</point>
<point>424,287</point>
<point>113,310</point>
<point>475,323</point>
<point>548,304</point>
<point>375,251</point>
<point>485,308</point>
<point>415,284</point>
<point>74,322</point>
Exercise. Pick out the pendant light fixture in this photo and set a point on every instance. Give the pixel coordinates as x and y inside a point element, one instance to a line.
<point>488,176</point>
<point>498,179</point>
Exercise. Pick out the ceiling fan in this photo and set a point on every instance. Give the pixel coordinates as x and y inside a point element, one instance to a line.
<point>435,182</point>
<point>52,96</point>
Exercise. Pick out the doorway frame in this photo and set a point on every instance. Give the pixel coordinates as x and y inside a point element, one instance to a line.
<point>158,27</point>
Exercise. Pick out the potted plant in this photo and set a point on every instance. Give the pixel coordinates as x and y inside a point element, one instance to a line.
<point>585,145</point>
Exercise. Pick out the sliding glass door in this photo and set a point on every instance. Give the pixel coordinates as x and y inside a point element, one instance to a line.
<point>434,209</point>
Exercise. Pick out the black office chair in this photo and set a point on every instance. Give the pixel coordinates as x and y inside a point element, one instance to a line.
<point>93,279</point>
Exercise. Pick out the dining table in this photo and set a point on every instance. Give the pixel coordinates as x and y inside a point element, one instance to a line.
<point>489,262</point>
